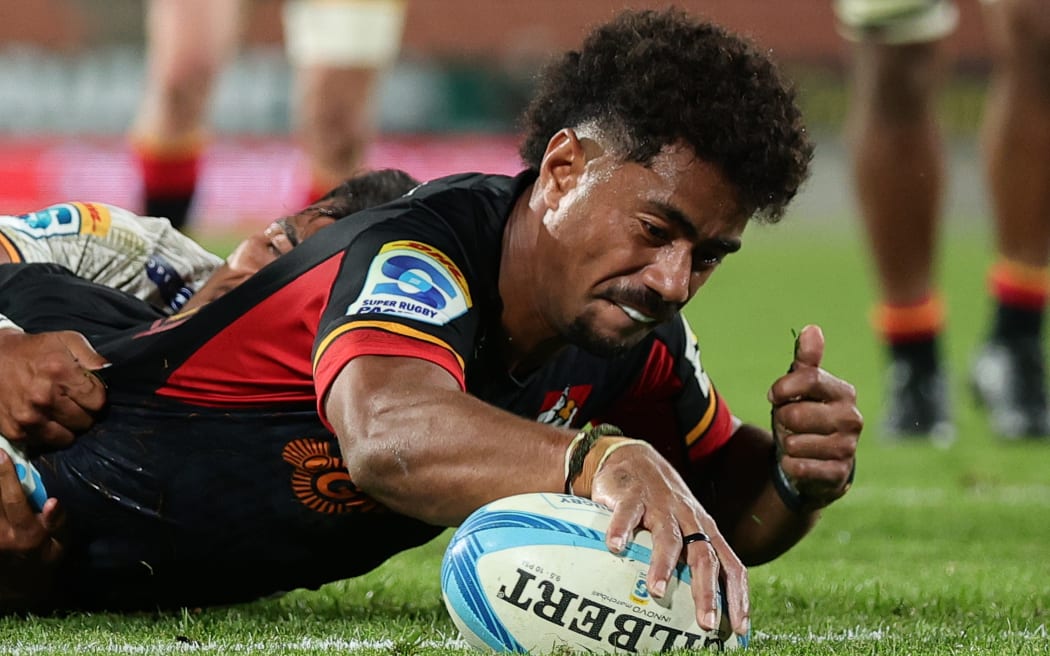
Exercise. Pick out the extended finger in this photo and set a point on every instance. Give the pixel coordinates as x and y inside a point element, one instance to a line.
<point>626,517</point>
<point>705,568</point>
<point>737,590</point>
<point>667,552</point>
<point>734,577</point>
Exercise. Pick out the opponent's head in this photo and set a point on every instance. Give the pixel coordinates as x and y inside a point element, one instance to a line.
<point>282,235</point>
<point>654,144</point>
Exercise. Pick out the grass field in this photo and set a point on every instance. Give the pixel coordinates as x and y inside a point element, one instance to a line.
<point>932,552</point>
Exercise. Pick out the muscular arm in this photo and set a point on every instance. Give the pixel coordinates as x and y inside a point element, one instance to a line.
<point>420,445</point>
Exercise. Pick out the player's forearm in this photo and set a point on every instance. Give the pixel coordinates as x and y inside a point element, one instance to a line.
<point>422,447</point>
<point>736,486</point>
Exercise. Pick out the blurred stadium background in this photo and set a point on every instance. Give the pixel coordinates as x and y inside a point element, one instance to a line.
<point>71,72</point>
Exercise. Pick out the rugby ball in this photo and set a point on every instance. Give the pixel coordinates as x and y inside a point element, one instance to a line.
<point>532,573</point>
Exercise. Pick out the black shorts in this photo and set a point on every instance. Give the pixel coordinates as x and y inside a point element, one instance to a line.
<point>175,505</point>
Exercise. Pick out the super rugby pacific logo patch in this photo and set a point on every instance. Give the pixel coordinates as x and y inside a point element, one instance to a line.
<point>412,280</point>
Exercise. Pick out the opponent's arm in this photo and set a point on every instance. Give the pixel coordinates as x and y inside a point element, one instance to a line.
<point>818,426</point>
<point>416,442</point>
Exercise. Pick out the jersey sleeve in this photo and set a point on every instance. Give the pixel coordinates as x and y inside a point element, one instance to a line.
<point>143,256</point>
<point>402,293</point>
<point>672,402</point>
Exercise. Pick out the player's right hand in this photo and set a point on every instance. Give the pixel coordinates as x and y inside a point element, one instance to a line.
<point>645,491</point>
<point>30,547</point>
<point>50,392</point>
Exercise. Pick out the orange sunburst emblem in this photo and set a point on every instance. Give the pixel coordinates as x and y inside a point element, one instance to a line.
<point>320,480</point>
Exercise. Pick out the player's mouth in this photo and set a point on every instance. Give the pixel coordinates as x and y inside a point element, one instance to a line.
<point>636,315</point>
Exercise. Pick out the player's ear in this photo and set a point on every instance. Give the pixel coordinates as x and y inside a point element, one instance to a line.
<point>562,165</point>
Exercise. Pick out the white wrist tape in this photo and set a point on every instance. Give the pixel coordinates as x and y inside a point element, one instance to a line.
<point>343,33</point>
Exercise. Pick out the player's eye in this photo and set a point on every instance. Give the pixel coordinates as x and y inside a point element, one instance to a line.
<point>655,231</point>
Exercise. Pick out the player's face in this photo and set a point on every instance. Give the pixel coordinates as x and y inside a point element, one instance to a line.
<point>629,245</point>
<point>260,249</point>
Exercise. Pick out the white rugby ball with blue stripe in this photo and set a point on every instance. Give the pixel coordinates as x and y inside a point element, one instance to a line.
<point>531,573</point>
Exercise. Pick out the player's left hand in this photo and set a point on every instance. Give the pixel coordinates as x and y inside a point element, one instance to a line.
<point>816,424</point>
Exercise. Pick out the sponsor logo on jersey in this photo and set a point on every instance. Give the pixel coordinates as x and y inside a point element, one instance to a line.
<point>320,480</point>
<point>412,280</point>
<point>66,219</point>
<point>560,408</point>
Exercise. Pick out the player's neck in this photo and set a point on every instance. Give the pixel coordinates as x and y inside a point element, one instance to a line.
<point>529,339</point>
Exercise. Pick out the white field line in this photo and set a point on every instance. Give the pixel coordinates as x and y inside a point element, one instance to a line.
<point>915,497</point>
<point>24,648</point>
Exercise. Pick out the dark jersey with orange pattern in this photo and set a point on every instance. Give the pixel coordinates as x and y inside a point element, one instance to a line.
<point>215,476</point>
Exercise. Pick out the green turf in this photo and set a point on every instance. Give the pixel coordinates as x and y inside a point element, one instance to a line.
<point>932,552</point>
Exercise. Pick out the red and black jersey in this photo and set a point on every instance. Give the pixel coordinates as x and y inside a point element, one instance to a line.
<point>419,278</point>
<point>214,476</point>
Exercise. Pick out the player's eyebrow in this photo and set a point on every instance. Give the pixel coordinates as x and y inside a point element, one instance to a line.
<point>688,228</point>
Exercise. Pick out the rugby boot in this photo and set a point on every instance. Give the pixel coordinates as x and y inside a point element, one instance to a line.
<point>1009,379</point>
<point>917,403</point>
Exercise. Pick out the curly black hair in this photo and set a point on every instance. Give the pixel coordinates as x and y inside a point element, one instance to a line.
<point>649,79</point>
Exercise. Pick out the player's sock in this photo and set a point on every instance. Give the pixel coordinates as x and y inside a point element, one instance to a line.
<point>917,394</point>
<point>911,329</point>
<point>1020,293</point>
<point>1009,373</point>
<point>169,176</point>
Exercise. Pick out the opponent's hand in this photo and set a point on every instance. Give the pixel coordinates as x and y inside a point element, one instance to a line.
<point>816,424</point>
<point>49,393</point>
<point>645,491</point>
<point>30,547</point>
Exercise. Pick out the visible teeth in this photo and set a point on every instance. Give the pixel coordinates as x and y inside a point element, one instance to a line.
<point>635,314</point>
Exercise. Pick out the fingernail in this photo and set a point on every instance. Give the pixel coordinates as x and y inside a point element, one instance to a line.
<point>747,627</point>
<point>769,395</point>
<point>711,619</point>
<point>616,544</point>
<point>659,588</point>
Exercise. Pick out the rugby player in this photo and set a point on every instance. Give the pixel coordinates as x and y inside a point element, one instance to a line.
<point>370,388</point>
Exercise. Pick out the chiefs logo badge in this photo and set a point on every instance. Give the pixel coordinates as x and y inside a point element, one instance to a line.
<point>320,480</point>
<point>560,408</point>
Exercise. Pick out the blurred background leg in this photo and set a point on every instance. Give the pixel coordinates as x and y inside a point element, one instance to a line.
<point>188,43</point>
